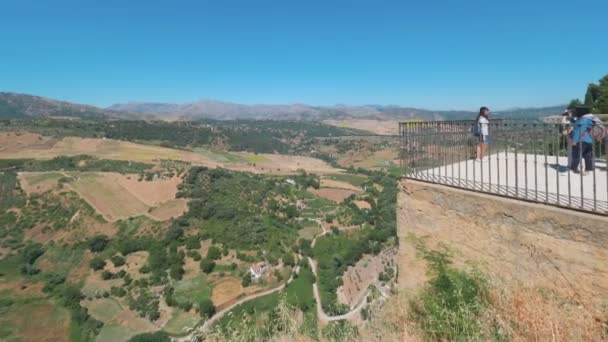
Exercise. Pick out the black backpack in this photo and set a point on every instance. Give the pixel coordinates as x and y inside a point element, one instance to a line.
<point>475,128</point>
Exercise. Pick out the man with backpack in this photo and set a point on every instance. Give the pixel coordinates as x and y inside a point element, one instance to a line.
<point>583,137</point>
<point>481,131</point>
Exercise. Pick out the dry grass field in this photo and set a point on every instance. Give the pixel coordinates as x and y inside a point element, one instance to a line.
<point>35,146</point>
<point>332,194</point>
<point>170,209</point>
<point>226,290</point>
<point>116,196</point>
<point>382,127</point>
<point>362,204</point>
<point>37,321</point>
<point>108,197</point>
<point>39,182</point>
<point>331,183</point>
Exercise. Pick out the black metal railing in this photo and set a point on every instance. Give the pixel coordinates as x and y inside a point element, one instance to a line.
<point>524,160</point>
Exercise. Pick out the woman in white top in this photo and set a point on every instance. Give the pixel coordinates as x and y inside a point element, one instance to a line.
<point>484,132</point>
<point>566,125</point>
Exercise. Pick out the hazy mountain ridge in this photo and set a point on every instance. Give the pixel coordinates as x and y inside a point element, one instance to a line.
<point>24,105</point>
<point>211,109</point>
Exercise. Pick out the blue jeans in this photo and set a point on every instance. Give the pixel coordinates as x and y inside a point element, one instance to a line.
<point>585,150</point>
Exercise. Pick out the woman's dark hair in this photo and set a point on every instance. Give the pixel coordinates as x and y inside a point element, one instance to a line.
<point>481,110</point>
<point>580,111</point>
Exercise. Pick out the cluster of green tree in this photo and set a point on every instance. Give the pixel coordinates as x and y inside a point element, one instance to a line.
<point>299,293</point>
<point>145,303</point>
<point>238,135</point>
<point>340,331</point>
<point>12,195</point>
<point>596,97</point>
<point>232,209</point>
<point>246,317</point>
<point>305,180</point>
<point>269,318</point>
<point>328,158</point>
<point>84,327</point>
<point>52,211</point>
<point>74,163</point>
<point>159,336</point>
<point>335,252</point>
<point>288,129</point>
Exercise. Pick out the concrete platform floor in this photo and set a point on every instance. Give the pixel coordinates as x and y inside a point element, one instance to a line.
<point>538,178</point>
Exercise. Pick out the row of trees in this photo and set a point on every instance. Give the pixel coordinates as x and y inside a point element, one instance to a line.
<point>596,97</point>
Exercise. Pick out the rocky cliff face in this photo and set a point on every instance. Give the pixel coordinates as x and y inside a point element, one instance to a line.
<point>548,267</point>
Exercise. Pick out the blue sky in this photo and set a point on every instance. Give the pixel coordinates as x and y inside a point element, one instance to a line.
<point>450,54</point>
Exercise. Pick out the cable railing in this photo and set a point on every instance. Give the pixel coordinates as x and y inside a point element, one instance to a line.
<point>525,160</point>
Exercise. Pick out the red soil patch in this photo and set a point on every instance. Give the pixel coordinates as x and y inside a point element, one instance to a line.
<point>40,233</point>
<point>23,288</point>
<point>16,141</point>
<point>362,204</point>
<point>87,229</point>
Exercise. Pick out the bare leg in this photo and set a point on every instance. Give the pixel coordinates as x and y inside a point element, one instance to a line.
<point>479,155</point>
<point>484,150</point>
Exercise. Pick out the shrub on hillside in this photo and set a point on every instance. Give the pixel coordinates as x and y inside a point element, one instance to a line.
<point>98,243</point>
<point>118,261</point>
<point>97,263</point>
<point>206,308</point>
<point>207,265</point>
<point>214,253</point>
<point>451,307</point>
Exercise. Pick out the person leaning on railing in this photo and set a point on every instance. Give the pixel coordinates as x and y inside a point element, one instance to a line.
<point>566,128</point>
<point>582,141</point>
<point>483,124</point>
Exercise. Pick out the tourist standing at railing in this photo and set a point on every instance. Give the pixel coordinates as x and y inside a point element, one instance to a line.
<point>483,123</point>
<point>582,144</point>
<point>567,123</point>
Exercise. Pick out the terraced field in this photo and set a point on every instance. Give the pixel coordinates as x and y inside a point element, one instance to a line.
<point>34,146</point>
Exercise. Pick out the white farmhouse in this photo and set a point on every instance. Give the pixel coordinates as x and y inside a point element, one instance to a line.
<point>257,270</point>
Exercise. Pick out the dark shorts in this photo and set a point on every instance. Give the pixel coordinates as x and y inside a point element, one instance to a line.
<point>487,140</point>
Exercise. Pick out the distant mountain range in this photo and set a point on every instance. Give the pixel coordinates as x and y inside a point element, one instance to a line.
<point>22,105</point>
<point>210,109</point>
